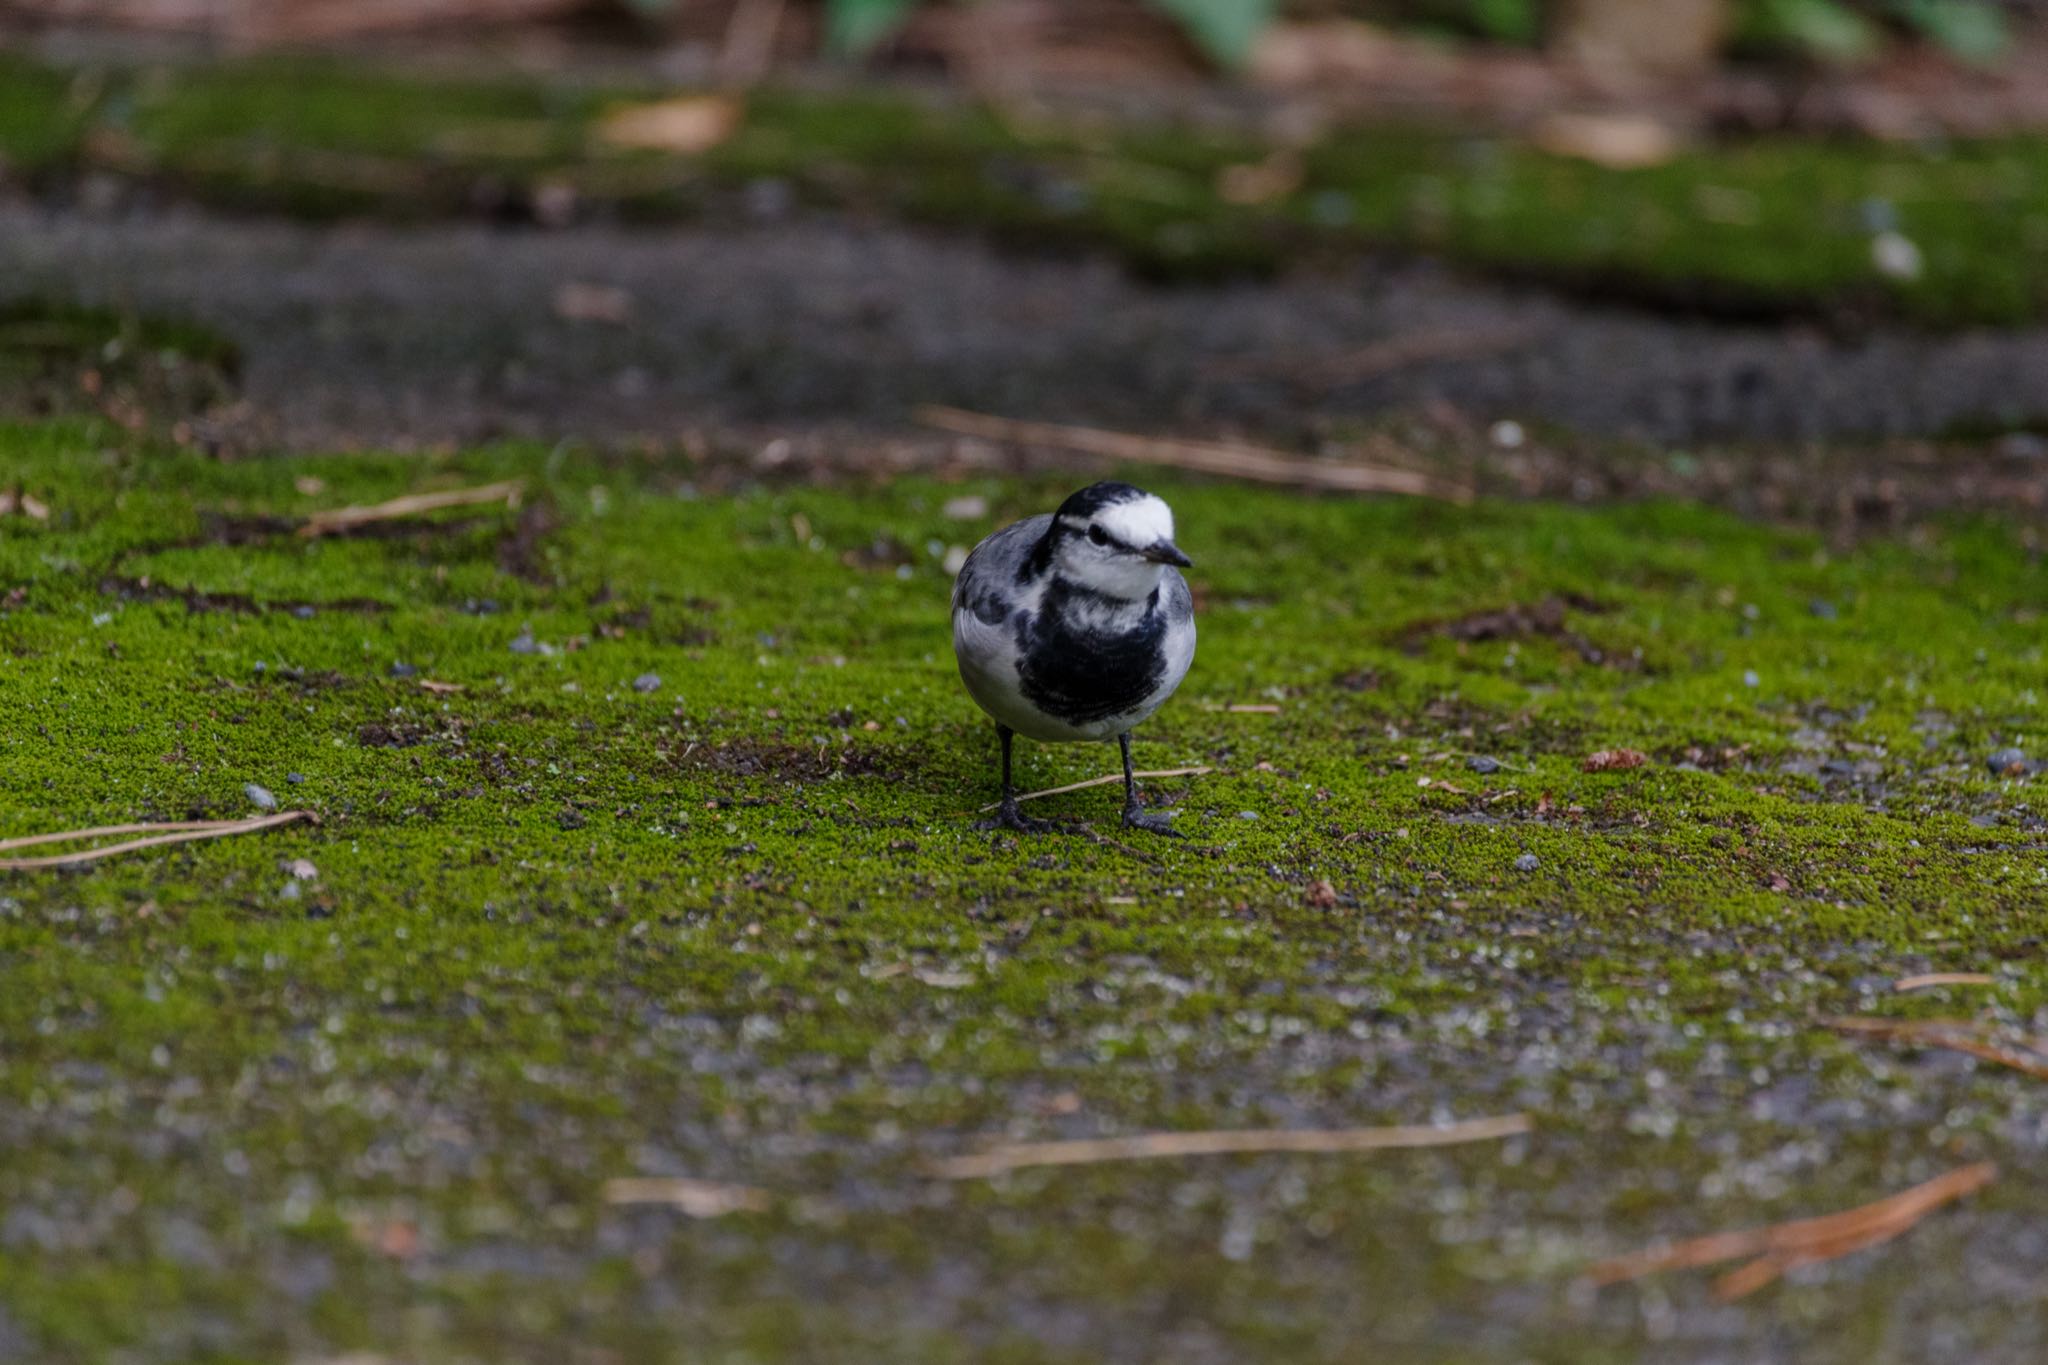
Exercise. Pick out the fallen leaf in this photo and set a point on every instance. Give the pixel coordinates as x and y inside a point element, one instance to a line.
<point>1620,142</point>
<point>1607,760</point>
<point>577,301</point>
<point>1322,895</point>
<point>1330,51</point>
<point>1260,182</point>
<point>14,501</point>
<point>394,1237</point>
<point>687,124</point>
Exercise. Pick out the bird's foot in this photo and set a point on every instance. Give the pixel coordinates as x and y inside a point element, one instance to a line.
<point>1008,817</point>
<point>1161,822</point>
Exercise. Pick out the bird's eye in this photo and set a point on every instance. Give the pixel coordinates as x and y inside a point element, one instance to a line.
<point>1098,535</point>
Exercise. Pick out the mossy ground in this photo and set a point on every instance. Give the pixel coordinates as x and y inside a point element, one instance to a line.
<point>561,930</point>
<point>1766,228</point>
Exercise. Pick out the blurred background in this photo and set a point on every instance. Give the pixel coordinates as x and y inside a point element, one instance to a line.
<point>1525,234</point>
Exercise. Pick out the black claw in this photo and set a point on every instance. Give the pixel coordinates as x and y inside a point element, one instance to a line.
<point>1008,817</point>
<point>1136,818</point>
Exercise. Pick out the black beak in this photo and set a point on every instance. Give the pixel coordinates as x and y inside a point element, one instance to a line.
<point>1166,552</point>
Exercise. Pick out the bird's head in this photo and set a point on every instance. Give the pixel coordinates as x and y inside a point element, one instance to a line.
<point>1114,539</point>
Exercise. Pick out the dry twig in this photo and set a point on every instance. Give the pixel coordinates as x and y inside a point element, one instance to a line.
<point>1154,1146</point>
<point>179,832</point>
<point>697,1198</point>
<point>1253,463</point>
<point>1104,781</point>
<point>1927,979</point>
<point>346,518</point>
<point>1957,1035</point>
<point>1807,1241</point>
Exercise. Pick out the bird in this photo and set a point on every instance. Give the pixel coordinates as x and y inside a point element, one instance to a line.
<point>1076,626</point>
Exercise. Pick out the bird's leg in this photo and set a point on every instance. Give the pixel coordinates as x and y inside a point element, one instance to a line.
<point>1134,814</point>
<point>1007,815</point>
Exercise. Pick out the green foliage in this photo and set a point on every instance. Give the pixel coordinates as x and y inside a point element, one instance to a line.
<point>1824,29</point>
<point>1225,29</point>
<point>1770,223</point>
<point>1509,21</point>
<point>1972,30</point>
<point>853,27</point>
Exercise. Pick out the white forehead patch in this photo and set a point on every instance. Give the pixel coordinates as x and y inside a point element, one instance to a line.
<point>1140,522</point>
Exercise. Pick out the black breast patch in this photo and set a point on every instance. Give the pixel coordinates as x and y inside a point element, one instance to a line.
<point>1080,675</point>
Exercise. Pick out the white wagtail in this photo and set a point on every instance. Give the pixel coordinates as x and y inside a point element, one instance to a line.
<point>1076,626</point>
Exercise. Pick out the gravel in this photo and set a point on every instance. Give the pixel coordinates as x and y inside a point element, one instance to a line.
<point>2008,763</point>
<point>449,332</point>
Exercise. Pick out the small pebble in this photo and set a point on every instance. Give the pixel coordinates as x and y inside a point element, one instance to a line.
<point>304,613</point>
<point>1481,764</point>
<point>1896,256</point>
<point>769,198</point>
<point>647,682</point>
<point>1528,862</point>
<point>524,643</point>
<point>2007,763</point>
<point>2023,445</point>
<point>1822,608</point>
<point>1331,209</point>
<point>1247,815</point>
<point>303,870</point>
<point>260,797</point>
<point>970,507</point>
<point>401,670</point>
<point>1508,435</point>
<point>1750,679</point>
<point>1878,215</point>
<point>295,778</point>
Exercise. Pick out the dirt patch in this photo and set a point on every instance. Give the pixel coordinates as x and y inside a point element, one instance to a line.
<point>196,600</point>
<point>522,550</point>
<point>1547,619</point>
<point>788,762</point>
<point>396,735</point>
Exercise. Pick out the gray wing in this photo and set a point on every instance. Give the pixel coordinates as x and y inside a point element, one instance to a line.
<point>984,595</point>
<point>990,573</point>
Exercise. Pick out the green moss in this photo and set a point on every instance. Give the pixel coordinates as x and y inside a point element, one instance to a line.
<point>58,358</point>
<point>1770,227</point>
<point>43,114</point>
<point>558,929</point>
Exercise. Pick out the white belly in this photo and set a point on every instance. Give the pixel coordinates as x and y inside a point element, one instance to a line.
<point>988,667</point>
